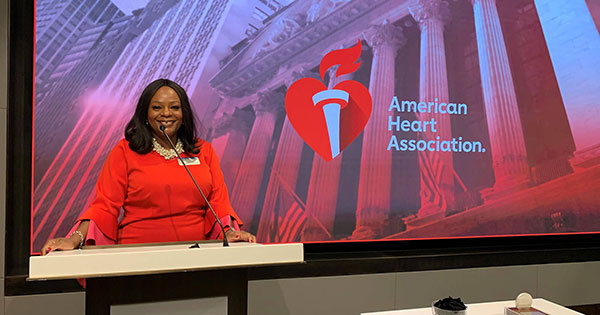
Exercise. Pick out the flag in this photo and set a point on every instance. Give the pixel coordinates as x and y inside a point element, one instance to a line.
<point>291,225</point>
<point>291,215</point>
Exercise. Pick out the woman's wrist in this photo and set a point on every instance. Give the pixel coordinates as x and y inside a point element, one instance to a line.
<point>229,230</point>
<point>76,238</point>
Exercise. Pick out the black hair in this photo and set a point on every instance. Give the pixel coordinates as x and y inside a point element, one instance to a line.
<point>139,133</point>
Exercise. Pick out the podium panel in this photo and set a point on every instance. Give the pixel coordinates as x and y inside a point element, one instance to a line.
<point>146,259</point>
<point>105,293</point>
<point>149,273</point>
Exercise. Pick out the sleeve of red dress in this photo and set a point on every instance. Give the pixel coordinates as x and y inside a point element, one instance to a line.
<point>94,236</point>
<point>111,190</point>
<point>218,197</point>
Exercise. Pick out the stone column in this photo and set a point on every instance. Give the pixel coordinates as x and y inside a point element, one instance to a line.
<point>238,126</point>
<point>285,168</point>
<point>574,43</point>
<point>250,174</point>
<point>509,156</point>
<point>437,170</point>
<point>374,185</point>
<point>594,7</point>
<point>322,196</point>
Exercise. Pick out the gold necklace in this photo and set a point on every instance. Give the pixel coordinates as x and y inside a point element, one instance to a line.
<point>167,153</point>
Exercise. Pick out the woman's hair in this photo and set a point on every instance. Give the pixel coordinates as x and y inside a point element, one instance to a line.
<point>139,133</point>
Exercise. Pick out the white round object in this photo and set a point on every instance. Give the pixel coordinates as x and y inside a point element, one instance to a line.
<point>524,300</point>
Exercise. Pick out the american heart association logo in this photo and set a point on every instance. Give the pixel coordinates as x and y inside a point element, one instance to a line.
<point>330,119</point>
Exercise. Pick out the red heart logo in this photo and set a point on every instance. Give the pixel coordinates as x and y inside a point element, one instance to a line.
<point>308,118</point>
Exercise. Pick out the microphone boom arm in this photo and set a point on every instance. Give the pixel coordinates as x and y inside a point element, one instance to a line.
<point>225,242</point>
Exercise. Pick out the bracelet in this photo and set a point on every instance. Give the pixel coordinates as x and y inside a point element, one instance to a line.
<point>80,235</point>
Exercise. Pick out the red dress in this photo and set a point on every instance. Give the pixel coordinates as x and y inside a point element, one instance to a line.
<point>159,199</point>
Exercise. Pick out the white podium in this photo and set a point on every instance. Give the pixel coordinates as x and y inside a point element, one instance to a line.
<point>121,275</point>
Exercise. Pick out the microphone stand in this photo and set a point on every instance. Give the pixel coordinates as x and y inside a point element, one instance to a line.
<point>225,243</point>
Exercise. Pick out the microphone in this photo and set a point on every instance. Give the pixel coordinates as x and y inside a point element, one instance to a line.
<point>225,243</point>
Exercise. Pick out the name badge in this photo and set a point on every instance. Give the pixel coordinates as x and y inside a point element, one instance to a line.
<point>189,161</point>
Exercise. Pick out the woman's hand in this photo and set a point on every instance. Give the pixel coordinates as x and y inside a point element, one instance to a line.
<point>239,236</point>
<point>60,243</point>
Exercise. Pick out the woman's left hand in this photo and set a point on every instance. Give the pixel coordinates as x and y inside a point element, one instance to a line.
<point>239,236</point>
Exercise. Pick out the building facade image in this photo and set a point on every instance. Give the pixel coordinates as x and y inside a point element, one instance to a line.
<point>497,57</point>
<point>531,105</point>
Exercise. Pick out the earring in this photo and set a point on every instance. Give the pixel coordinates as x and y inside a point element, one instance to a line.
<point>147,122</point>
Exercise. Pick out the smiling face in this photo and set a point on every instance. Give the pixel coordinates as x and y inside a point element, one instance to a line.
<point>165,110</point>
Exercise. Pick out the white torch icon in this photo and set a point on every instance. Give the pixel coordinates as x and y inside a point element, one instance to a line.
<point>334,101</point>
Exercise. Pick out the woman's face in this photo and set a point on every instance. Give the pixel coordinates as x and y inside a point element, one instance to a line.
<point>165,110</point>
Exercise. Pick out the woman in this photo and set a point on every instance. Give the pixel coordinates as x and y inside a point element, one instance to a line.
<point>143,176</point>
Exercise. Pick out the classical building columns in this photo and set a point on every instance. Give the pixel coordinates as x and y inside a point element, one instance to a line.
<point>285,169</point>
<point>247,183</point>
<point>284,174</point>
<point>286,166</point>
<point>236,126</point>
<point>437,170</point>
<point>323,187</point>
<point>509,155</point>
<point>373,203</point>
<point>577,65</point>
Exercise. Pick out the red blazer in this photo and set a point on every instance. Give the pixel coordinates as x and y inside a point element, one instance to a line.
<point>160,201</point>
